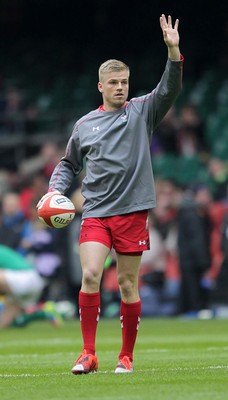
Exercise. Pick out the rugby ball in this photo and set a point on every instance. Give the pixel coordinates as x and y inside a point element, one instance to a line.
<point>56,211</point>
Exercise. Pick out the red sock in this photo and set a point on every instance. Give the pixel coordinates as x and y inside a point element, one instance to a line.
<point>130,319</point>
<point>89,311</point>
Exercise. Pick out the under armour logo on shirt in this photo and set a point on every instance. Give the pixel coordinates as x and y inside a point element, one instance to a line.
<point>142,242</point>
<point>96,128</point>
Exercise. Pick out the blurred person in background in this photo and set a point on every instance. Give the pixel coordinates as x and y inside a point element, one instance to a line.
<point>14,225</point>
<point>152,275</point>
<point>168,199</point>
<point>218,172</point>
<point>220,292</point>
<point>4,183</point>
<point>13,114</point>
<point>44,163</point>
<point>165,137</point>
<point>43,251</point>
<point>190,136</point>
<point>31,188</point>
<point>164,220</point>
<point>20,284</point>
<point>194,247</point>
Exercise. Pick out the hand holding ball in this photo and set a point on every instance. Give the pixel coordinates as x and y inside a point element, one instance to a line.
<point>55,210</point>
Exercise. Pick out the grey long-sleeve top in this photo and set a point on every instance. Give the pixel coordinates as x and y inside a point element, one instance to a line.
<point>116,148</point>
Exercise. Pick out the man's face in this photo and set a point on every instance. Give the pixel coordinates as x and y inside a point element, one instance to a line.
<point>114,88</point>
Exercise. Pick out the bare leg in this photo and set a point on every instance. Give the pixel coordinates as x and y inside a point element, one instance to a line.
<point>128,274</point>
<point>93,256</point>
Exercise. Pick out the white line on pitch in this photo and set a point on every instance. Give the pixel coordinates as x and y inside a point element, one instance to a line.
<point>107,372</point>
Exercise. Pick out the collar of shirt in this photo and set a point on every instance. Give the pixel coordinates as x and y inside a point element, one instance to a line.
<point>101,108</point>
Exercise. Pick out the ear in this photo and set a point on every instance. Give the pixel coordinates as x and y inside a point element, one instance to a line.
<point>99,85</point>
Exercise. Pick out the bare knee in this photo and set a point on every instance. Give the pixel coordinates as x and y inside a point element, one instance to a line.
<point>91,280</point>
<point>128,286</point>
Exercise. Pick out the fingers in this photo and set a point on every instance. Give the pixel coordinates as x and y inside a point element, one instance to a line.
<point>167,23</point>
<point>163,22</point>
<point>176,24</point>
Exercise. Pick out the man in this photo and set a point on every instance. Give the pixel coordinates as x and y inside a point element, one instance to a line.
<point>118,189</point>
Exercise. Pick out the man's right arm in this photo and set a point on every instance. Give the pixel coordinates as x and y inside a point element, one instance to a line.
<point>68,168</point>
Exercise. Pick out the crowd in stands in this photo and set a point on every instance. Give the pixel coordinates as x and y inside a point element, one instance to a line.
<point>186,270</point>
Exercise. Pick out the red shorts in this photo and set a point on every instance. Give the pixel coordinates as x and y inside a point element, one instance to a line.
<point>126,233</point>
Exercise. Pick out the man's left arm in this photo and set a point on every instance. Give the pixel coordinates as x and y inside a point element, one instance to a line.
<point>169,87</point>
<point>156,104</point>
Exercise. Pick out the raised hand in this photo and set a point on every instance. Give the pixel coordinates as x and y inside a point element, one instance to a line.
<point>170,33</point>
<point>171,37</point>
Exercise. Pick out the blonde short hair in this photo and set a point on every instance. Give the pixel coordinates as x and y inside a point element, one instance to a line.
<point>112,65</point>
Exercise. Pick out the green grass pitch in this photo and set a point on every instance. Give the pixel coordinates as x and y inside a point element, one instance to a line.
<point>174,359</point>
